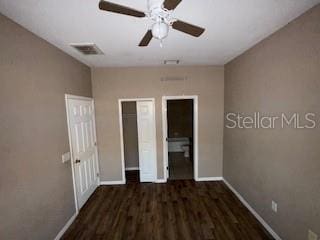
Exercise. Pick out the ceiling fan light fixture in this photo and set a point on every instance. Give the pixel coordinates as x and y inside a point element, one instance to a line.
<point>160,12</point>
<point>160,30</point>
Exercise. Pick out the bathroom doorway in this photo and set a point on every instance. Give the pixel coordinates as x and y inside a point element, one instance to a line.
<point>180,121</point>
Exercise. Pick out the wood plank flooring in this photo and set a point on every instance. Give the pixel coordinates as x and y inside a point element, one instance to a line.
<point>178,210</point>
<point>132,176</point>
<point>180,168</point>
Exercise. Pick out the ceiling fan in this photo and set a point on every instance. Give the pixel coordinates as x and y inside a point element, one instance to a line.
<point>160,12</point>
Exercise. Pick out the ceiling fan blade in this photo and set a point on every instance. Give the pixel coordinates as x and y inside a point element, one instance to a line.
<point>171,4</point>
<point>146,39</point>
<point>112,7</point>
<point>188,28</point>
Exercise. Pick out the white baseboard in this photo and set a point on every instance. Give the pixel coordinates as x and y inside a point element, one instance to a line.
<point>161,181</point>
<point>121,182</point>
<point>257,216</point>
<point>64,229</point>
<point>132,168</point>
<point>207,179</point>
<point>124,182</point>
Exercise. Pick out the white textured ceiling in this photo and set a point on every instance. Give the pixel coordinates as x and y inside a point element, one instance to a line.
<point>232,26</point>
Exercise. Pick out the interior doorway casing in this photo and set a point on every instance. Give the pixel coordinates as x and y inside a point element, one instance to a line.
<point>120,101</point>
<point>165,133</point>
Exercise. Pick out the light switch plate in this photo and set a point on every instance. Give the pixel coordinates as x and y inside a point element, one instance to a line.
<point>274,206</point>
<point>312,235</point>
<point>66,157</point>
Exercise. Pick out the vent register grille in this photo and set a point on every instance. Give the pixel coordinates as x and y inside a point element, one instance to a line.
<point>87,49</point>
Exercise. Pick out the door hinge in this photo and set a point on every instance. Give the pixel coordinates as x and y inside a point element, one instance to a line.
<point>98,174</point>
<point>167,168</point>
<point>95,143</point>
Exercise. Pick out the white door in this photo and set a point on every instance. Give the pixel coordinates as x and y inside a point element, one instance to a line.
<point>82,132</point>
<point>147,140</point>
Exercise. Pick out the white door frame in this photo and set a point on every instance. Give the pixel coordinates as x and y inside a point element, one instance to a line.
<point>165,133</point>
<point>120,101</point>
<point>74,97</point>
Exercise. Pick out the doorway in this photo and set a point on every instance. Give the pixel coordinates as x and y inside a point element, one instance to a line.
<point>83,147</point>
<point>180,127</point>
<point>138,140</point>
<point>130,141</point>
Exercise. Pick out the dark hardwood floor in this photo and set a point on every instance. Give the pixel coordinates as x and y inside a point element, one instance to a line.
<point>180,210</point>
<point>180,168</point>
<point>132,176</point>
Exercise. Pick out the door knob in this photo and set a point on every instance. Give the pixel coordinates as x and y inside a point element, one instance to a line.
<point>77,161</point>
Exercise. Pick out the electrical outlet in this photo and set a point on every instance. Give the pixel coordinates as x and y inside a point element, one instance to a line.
<point>274,206</point>
<point>312,235</point>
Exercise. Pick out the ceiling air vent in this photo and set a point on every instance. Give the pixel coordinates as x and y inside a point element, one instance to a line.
<point>87,48</point>
<point>171,62</point>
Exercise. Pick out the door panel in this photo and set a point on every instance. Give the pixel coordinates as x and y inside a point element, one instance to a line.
<point>84,150</point>
<point>147,140</point>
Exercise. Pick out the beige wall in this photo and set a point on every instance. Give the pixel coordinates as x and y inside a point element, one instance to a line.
<point>36,194</point>
<point>280,74</point>
<point>110,84</point>
<point>130,134</point>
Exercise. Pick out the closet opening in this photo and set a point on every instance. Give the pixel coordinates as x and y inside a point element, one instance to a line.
<point>130,141</point>
<point>138,140</point>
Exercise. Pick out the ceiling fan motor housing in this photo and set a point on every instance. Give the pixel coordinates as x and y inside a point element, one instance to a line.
<point>158,13</point>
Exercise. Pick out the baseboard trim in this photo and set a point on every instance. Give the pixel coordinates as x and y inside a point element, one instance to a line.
<point>121,182</point>
<point>132,168</point>
<point>161,181</point>
<point>257,216</point>
<point>207,179</point>
<point>65,228</point>
<point>124,182</point>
